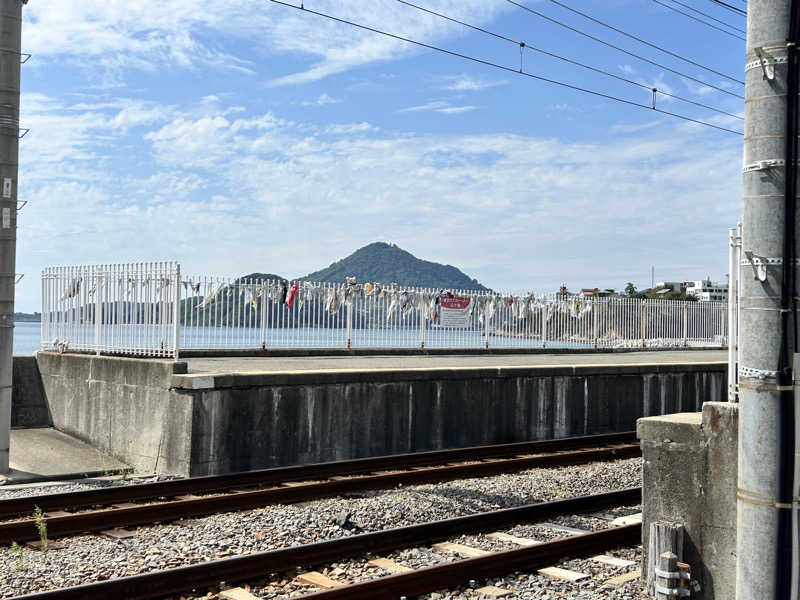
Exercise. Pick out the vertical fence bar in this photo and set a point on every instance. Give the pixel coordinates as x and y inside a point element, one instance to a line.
<point>643,320</point>
<point>349,310</point>
<point>98,307</point>
<point>176,315</point>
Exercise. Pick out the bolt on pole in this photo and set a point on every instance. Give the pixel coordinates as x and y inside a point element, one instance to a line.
<point>10,54</point>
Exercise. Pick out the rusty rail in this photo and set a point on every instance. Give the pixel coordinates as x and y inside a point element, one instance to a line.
<point>159,584</point>
<point>167,510</point>
<point>278,475</point>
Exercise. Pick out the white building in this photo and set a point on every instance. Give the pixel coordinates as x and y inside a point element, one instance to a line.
<point>706,291</point>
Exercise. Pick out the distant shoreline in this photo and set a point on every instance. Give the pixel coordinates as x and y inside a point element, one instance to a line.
<point>28,317</point>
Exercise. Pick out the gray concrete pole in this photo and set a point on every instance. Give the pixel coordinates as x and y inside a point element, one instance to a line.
<point>759,557</point>
<point>10,48</point>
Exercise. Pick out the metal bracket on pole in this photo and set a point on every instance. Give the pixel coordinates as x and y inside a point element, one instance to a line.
<point>19,277</point>
<point>672,591</point>
<point>23,56</point>
<point>767,63</point>
<point>759,264</point>
<point>761,165</point>
<point>757,373</point>
<point>21,204</point>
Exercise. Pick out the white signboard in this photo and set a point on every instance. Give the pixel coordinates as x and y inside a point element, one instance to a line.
<point>453,312</point>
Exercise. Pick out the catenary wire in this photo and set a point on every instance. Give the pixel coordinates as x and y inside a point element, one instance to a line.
<point>734,9</point>
<point>699,20</point>
<point>699,12</point>
<point>629,53</point>
<point>501,67</point>
<point>640,40</point>
<point>528,46</point>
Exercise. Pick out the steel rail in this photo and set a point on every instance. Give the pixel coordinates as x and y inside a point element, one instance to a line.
<point>159,584</point>
<point>449,575</point>
<point>107,518</point>
<point>275,476</point>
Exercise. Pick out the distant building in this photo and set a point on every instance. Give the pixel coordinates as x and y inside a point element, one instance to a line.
<point>706,291</point>
<point>586,292</point>
<point>675,286</point>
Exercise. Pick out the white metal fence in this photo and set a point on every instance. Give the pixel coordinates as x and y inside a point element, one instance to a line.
<point>118,309</point>
<point>131,309</point>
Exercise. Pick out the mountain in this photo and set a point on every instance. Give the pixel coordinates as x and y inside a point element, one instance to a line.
<point>386,263</point>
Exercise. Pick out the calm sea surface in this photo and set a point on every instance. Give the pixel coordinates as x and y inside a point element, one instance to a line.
<point>26,337</point>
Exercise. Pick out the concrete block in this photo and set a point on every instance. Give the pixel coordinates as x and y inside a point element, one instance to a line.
<point>689,476</point>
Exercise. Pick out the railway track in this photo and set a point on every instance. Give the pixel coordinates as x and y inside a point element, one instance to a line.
<point>171,500</point>
<point>257,566</point>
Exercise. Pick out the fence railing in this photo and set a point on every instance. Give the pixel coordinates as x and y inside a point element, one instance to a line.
<point>148,309</point>
<point>118,309</point>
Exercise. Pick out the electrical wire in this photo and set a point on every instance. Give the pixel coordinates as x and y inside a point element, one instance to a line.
<point>531,48</point>
<point>629,53</point>
<point>699,12</point>
<point>502,67</point>
<point>638,39</point>
<point>699,20</point>
<point>731,8</point>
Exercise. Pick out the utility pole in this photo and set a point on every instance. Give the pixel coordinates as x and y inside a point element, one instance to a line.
<point>10,54</point>
<point>768,322</point>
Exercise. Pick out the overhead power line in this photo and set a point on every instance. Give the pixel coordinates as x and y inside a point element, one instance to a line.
<point>502,67</point>
<point>699,12</point>
<point>531,48</point>
<point>628,52</point>
<point>733,9</point>
<point>640,40</point>
<point>699,20</point>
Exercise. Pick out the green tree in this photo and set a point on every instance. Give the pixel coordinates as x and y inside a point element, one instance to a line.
<point>630,289</point>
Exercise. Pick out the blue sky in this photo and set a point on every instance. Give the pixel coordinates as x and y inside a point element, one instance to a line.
<point>242,136</point>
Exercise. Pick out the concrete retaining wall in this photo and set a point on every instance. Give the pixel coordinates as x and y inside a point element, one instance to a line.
<point>155,416</point>
<point>254,420</point>
<point>122,406</point>
<point>28,404</point>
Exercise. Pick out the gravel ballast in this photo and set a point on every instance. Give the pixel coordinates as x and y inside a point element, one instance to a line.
<point>88,558</point>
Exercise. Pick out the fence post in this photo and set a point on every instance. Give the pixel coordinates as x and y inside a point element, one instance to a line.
<point>685,324</point>
<point>643,319</point>
<point>349,309</point>
<point>595,308</point>
<point>422,328</point>
<point>265,296</point>
<point>176,322</point>
<point>486,325</point>
<point>98,311</point>
<point>544,326</point>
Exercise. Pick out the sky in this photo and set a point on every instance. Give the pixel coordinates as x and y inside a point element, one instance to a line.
<point>242,135</point>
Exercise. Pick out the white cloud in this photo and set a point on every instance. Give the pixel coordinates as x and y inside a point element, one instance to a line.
<point>258,192</point>
<point>452,110</point>
<point>322,100</point>
<point>348,128</point>
<point>112,37</point>
<point>467,83</point>
<point>438,106</point>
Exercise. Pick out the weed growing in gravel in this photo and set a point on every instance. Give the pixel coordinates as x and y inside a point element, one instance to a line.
<point>41,527</point>
<point>16,550</point>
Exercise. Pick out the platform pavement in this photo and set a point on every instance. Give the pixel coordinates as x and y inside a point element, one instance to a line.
<point>46,454</point>
<point>267,364</point>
